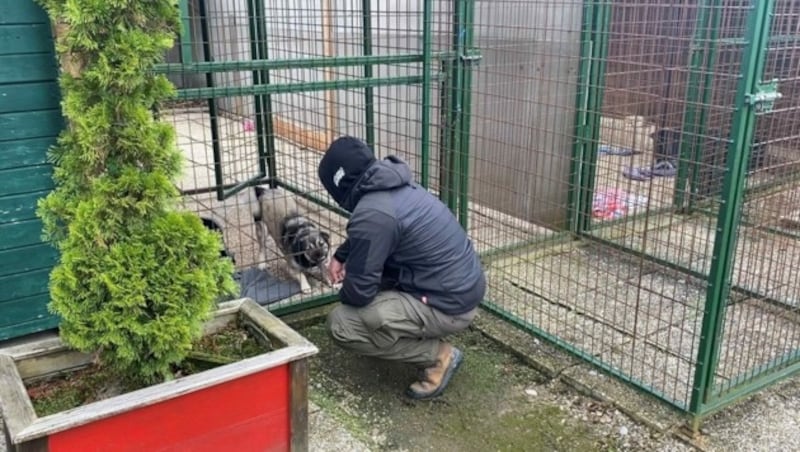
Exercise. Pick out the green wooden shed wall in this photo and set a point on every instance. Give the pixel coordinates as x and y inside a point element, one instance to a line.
<point>30,121</point>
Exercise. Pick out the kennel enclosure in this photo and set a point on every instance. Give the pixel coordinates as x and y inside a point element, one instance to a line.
<point>539,124</point>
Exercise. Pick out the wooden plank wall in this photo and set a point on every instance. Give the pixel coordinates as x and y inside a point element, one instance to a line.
<point>30,121</point>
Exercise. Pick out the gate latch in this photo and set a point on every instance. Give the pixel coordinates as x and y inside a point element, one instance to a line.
<point>471,56</point>
<point>763,99</point>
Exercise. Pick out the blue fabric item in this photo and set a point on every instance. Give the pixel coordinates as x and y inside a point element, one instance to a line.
<point>263,287</point>
<point>614,150</point>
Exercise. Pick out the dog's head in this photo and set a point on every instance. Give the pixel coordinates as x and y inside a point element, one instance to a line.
<point>312,247</point>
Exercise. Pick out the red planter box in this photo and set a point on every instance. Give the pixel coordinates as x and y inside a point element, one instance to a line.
<point>257,404</point>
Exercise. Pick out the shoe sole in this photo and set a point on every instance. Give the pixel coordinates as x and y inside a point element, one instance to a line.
<point>455,363</point>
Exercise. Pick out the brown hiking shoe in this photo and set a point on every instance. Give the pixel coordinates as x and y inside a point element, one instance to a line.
<point>435,378</point>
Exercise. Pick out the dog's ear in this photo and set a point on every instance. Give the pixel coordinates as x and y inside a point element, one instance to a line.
<point>255,205</point>
<point>259,190</point>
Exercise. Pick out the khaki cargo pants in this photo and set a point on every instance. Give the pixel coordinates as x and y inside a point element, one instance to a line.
<point>396,327</point>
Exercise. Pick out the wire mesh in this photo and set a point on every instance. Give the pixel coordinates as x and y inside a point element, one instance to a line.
<point>633,297</point>
<point>277,139</point>
<point>541,121</point>
<point>760,332</point>
<point>603,302</point>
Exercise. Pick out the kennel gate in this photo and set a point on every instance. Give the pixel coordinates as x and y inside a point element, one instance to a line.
<point>295,66</point>
<point>499,107</point>
<point>734,96</point>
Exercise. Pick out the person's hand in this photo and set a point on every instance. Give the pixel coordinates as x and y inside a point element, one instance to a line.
<point>336,271</point>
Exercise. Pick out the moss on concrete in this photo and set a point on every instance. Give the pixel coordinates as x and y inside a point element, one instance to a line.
<point>486,406</point>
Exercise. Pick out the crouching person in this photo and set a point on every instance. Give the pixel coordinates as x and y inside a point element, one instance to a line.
<point>410,275</point>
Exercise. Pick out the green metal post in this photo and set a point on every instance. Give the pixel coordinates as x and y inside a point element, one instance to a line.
<point>699,41</point>
<point>445,92</point>
<point>451,112</point>
<point>212,104</point>
<point>468,59</point>
<point>454,118</point>
<point>758,27</point>
<point>705,37</point>
<point>186,32</point>
<point>716,22</point>
<point>427,68</point>
<point>369,96</point>
<point>267,155</point>
<point>255,51</point>
<point>582,139</point>
<point>601,34</point>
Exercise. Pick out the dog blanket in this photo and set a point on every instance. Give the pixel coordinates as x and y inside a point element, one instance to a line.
<point>264,287</point>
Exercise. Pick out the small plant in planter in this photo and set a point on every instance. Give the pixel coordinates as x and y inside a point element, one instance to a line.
<point>138,281</point>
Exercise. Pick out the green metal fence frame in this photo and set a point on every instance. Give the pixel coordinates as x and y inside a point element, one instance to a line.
<point>452,67</point>
<point>700,80</point>
<point>452,70</point>
<point>589,101</point>
<point>707,395</point>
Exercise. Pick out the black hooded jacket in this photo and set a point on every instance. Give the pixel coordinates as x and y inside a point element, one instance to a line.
<point>399,236</point>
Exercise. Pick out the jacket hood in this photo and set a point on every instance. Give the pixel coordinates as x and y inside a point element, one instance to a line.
<point>349,169</point>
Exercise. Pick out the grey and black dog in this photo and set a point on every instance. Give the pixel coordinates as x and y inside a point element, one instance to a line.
<point>303,244</point>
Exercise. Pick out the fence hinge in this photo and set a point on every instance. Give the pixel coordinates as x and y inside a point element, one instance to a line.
<point>471,56</point>
<point>763,99</point>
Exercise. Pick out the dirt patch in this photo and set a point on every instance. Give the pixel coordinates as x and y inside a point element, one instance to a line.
<point>495,402</point>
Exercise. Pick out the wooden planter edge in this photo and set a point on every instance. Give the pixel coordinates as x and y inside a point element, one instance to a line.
<point>22,424</point>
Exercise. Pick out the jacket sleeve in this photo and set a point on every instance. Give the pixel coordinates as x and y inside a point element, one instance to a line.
<point>371,237</point>
<point>342,252</point>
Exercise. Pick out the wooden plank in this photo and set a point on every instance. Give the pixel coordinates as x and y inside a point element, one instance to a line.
<point>19,207</point>
<point>264,320</point>
<point>298,405</point>
<point>791,220</point>
<point>309,138</point>
<point>22,233</point>
<point>25,125</point>
<point>24,310</point>
<point>25,180</point>
<point>14,154</point>
<point>27,38</point>
<point>29,97</point>
<point>37,445</point>
<point>27,258</point>
<point>21,12</point>
<point>24,284</point>
<point>36,67</point>
<point>46,355</point>
<point>17,409</point>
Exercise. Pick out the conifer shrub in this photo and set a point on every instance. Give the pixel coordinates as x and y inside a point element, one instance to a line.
<point>137,278</point>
